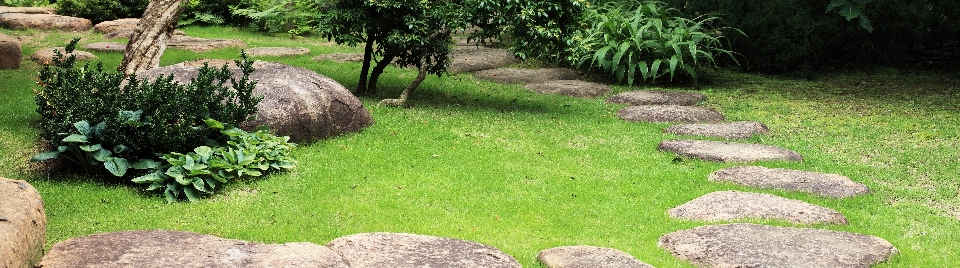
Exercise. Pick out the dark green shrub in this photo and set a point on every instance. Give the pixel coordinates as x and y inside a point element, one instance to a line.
<point>789,35</point>
<point>538,29</point>
<point>173,113</point>
<point>280,16</point>
<point>647,40</point>
<point>102,10</point>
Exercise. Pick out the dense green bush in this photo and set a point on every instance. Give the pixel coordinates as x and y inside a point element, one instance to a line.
<point>538,29</point>
<point>280,16</point>
<point>789,35</point>
<point>647,40</point>
<point>172,113</point>
<point>102,10</point>
<point>25,3</point>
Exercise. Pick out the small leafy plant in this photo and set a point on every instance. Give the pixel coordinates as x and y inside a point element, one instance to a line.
<point>647,40</point>
<point>83,148</point>
<point>206,169</point>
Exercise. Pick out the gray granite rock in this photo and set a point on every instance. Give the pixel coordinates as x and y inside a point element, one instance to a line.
<point>340,57</point>
<point>11,53</point>
<point>516,75</point>
<point>380,250</point>
<point>297,102</point>
<point>588,256</point>
<point>823,184</point>
<point>735,130</point>
<point>106,47</point>
<point>669,113</point>
<point>737,205</point>
<point>573,88</point>
<point>754,245</point>
<point>107,27</point>
<point>470,58</point>
<point>657,97</point>
<point>728,152</point>
<point>277,51</point>
<point>45,56</point>
<point>23,224</point>
<point>197,44</point>
<point>159,248</point>
<point>22,21</point>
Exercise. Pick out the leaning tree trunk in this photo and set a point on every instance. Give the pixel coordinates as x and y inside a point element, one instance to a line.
<point>149,39</point>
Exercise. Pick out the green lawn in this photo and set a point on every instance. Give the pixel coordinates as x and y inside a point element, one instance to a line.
<point>524,172</point>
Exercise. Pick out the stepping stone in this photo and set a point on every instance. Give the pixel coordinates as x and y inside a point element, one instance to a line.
<point>517,75</point>
<point>111,26</point>
<point>754,245</point>
<point>20,21</point>
<point>159,248</point>
<point>669,113</point>
<point>197,44</point>
<point>472,58</point>
<point>45,56</point>
<point>588,256</point>
<point>23,224</point>
<point>28,10</point>
<point>410,250</point>
<point>10,52</point>
<point>736,205</point>
<point>728,152</point>
<point>340,57</point>
<point>277,51</point>
<point>128,32</point>
<point>735,130</point>
<point>573,88</point>
<point>823,184</point>
<point>106,47</point>
<point>657,97</point>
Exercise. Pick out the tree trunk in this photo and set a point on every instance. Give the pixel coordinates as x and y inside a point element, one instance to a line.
<point>365,69</point>
<point>377,70</point>
<point>402,101</point>
<point>149,39</point>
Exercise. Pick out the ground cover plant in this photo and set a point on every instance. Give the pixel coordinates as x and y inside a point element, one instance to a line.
<point>525,172</point>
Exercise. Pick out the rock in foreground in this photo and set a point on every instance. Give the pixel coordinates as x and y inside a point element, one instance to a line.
<point>10,52</point>
<point>823,184</point>
<point>158,248</point>
<point>297,102</point>
<point>23,224</point>
<point>381,250</point>
<point>45,56</point>
<point>588,256</point>
<point>754,245</point>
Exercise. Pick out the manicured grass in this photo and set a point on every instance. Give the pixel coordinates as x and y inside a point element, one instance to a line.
<point>525,172</point>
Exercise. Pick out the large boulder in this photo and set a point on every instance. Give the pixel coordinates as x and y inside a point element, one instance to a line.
<point>111,26</point>
<point>28,10</point>
<point>754,245</point>
<point>588,256</point>
<point>45,56</point>
<point>23,224</point>
<point>297,102</point>
<point>10,52</point>
<point>21,21</point>
<point>158,248</point>
<point>380,250</point>
<point>822,184</point>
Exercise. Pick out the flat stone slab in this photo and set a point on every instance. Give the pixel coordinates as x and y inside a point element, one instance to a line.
<point>23,224</point>
<point>470,58</point>
<point>128,32</point>
<point>45,56</point>
<point>110,26</point>
<point>669,113</point>
<point>735,130</point>
<point>728,152</point>
<point>340,57</point>
<point>657,97</point>
<point>517,75</point>
<point>573,88</point>
<point>588,256</point>
<point>754,245</point>
<point>158,248</point>
<point>28,10</point>
<point>197,44</point>
<point>822,184</point>
<point>21,21</point>
<point>277,51</point>
<point>380,250</point>
<point>737,205</point>
<point>106,47</point>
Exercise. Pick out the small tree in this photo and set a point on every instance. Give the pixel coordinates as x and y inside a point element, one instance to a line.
<point>404,32</point>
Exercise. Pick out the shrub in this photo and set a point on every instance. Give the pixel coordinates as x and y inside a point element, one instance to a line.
<point>25,3</point>
<point>102,10</point>
<point>172,113</point>
<point>647,40</point>
<point>280,16</point>
<point>538,29</point>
